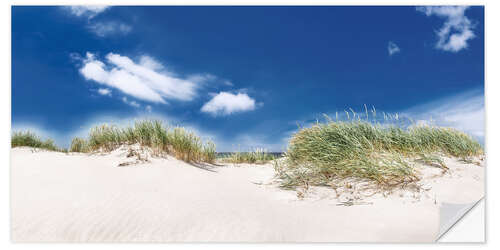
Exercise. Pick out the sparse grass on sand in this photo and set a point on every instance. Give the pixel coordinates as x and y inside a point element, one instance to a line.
<point>258,156</point>
<point>383,154</point>
<point>30,139</point>
<point>161,139</point>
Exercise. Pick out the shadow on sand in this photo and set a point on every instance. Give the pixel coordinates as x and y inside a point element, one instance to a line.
<point>205,166</point>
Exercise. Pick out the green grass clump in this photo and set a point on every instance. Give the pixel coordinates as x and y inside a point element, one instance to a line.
<point>258,156</point>
<point>105,137</point>
<point>380,153</point>
<point>79,145</point>
<point>29,139</point>
<point>176,141</point>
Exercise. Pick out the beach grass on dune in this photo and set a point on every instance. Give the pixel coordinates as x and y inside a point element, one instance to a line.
<point>258,156</point>
<point>381,153</point>
<point>30,139</point>
<point>162,139</point>
<point>177,141</point>
<point>79,145</point>
<point>385,154</point>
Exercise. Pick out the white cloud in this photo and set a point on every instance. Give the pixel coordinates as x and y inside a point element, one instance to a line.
<point>209,79</point>
<point>150,63</point>
<point>100,28</point>
<point>392,48</point>
<point>226,103</point>
<point>456,30</point>
<point>202,78</point>
<point>103,29</point>
<point>104,92</point>
<point>149,109</point>
<point>143,81</point>
<point>131,103</point>
<point>89,11</point>
<point>464,112</point>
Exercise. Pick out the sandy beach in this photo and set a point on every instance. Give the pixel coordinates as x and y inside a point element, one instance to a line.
<point>58,197</point>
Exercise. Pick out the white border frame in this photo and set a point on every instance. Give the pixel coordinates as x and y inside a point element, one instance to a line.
<point>492,81</point>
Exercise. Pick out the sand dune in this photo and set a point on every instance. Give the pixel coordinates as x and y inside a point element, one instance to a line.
<point>59,197</point>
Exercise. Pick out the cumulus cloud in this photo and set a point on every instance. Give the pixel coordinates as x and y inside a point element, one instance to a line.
<point>103,29</point>
<point>104,92</point>
<point>392,48</point>
<point>88,11</point>
<point>456,30</point>
<point>144,80</point>
<point>226,103</point>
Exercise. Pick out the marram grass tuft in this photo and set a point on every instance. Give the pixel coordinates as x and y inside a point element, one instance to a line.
<point>79,145</point>
<point>30,139</point>
<point>383,154</point>
<point>176,141</point>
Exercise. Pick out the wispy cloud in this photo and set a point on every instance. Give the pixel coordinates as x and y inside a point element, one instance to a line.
<point>131,103</point>
<point>150,63</point>
<point>104,91</point>
<point>456,30</point>
<point>110,28</point>
<point>228,83</point>
<point>144,80</point>
<point>202,78</point>
<point>226,103</point>
<point>464,111</point>
<point>88,11</point>
<point>392,48</point>
<point>100,28</point>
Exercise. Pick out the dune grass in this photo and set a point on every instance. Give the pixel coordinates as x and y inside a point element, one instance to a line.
<point>79,145</point>
<point>162,139</point>
<point>381,153</point>
<point>176,141</point>
<point>30,139</point>
<point>258,156</point>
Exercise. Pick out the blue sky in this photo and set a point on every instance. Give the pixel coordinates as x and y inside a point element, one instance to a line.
<point>243,76</point>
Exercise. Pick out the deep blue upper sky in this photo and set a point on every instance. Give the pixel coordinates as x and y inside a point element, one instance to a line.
<point>293,63</point>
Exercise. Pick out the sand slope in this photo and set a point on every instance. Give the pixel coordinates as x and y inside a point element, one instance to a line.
<point>87,198</point>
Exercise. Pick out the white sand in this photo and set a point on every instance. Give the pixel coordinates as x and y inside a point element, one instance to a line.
<point>80,198</point>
